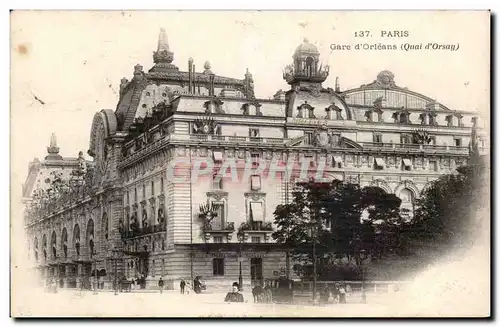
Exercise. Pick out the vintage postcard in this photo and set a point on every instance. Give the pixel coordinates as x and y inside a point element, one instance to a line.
<point>250,164</point>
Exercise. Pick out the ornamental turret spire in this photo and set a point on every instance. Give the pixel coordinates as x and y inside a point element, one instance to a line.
<point>53,148</point>
<point>163,57</point>
<point>163,41</point>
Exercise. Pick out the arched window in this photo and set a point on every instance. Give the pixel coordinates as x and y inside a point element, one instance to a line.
<point>90,237</point>
<point>64,242</point>
<point>309,66</point>
<point>44,246</point>
<point>76,239</point>
<point>53,243</point>
<point>407,203</point>
<point>105,226</point>
<point>35,248</point>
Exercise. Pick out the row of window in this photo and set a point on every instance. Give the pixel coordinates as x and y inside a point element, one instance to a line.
<point>406,165</point>
<point>152,188</point>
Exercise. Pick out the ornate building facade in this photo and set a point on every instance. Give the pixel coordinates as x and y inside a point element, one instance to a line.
<point>127,215</point>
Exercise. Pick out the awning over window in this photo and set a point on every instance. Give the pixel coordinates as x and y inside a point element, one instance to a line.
<point>217,156</point>
<point>255,183</point>
<point>407,162</point>
<point>380,162</point>
<point>256,211</point>
<point>337,159</point>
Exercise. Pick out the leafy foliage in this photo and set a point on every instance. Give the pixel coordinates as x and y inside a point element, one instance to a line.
<point>341,220</point>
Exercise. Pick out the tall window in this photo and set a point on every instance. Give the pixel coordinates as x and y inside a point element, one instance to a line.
<point>218,266</point>
<point>433,165</point>
<point>217,183</point>
<point>135,194</point>
<point>152,188</point>
<point>143,191</point>
<point>255,159</point>
<point>308,138</point>
<point>161,185</point>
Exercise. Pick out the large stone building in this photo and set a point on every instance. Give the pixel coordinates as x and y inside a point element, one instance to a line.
<point>127,215</point>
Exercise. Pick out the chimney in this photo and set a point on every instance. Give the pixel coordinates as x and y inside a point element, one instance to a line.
<point>194,78</point>
<point>190,75</point>
<point>337,86</point>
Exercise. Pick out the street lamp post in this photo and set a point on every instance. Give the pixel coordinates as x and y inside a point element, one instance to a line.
<point>313,235</point>
<point>115,259</point>
<point>363,257</point>
<point>95,272</point>
<point>241,238</point>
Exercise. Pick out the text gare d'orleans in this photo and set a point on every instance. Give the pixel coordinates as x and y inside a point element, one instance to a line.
<point>403,46</point>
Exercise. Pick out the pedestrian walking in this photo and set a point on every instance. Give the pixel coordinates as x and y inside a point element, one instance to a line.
<point>183,285</point>
<point>342,294</point>
<point>161,283</point>
<point>325,294</point>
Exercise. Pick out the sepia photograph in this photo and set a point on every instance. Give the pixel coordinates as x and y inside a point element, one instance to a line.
<point>250,164</point>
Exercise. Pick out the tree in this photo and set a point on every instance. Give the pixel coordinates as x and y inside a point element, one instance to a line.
<point>446,208</point>
<point>340,219</point>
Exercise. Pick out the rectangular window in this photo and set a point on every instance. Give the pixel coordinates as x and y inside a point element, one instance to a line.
<point>152,188</point>
<point>377,138</point>
<point>255,239</point>
<point>308,138</point>
<point>337,161</point>
<point>255,159</point>
<point>379,164</point>
<point>254,132</point>
<point>217,156</point>
<point>161,185</point>
<point>162,267</point>
<point>135,195</point>
<point>458,142</point>
<point>255,183</point>
<point>153,268</point>
<point>335,139</point>
<point>217,239</point>
<point>309,158</point>
<point>218,266</point>
<point>433,165</point>
<point>218,221</point>
<point>256,211</point>
<point>217,183</point>
<point>407,164</point>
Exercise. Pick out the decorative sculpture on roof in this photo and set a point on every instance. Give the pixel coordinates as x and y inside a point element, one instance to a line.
<point>163,53</point>
<point>421,136</point>
<point>205,125</point>
<point>385,79</point>
<point>249,86</point>
<point>306,66</point>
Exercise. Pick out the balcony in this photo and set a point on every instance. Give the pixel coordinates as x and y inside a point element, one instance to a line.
<point>410,147</point>
<point>236,139</point>
<point>144,231</point>
<point>227,227</point>
<point>257,226</point>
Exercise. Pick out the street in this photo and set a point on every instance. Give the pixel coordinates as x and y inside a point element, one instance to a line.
<point>173,304</point>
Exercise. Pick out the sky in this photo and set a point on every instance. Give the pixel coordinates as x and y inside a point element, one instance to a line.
<point>73,60</point>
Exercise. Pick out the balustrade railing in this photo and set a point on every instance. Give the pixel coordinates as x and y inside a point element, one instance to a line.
<point>412,146</point>
<point>237,139</point>
<point>217,226</point>
<point>143,231</point>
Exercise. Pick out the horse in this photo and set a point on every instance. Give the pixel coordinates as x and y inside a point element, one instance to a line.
<point>258,294</point>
